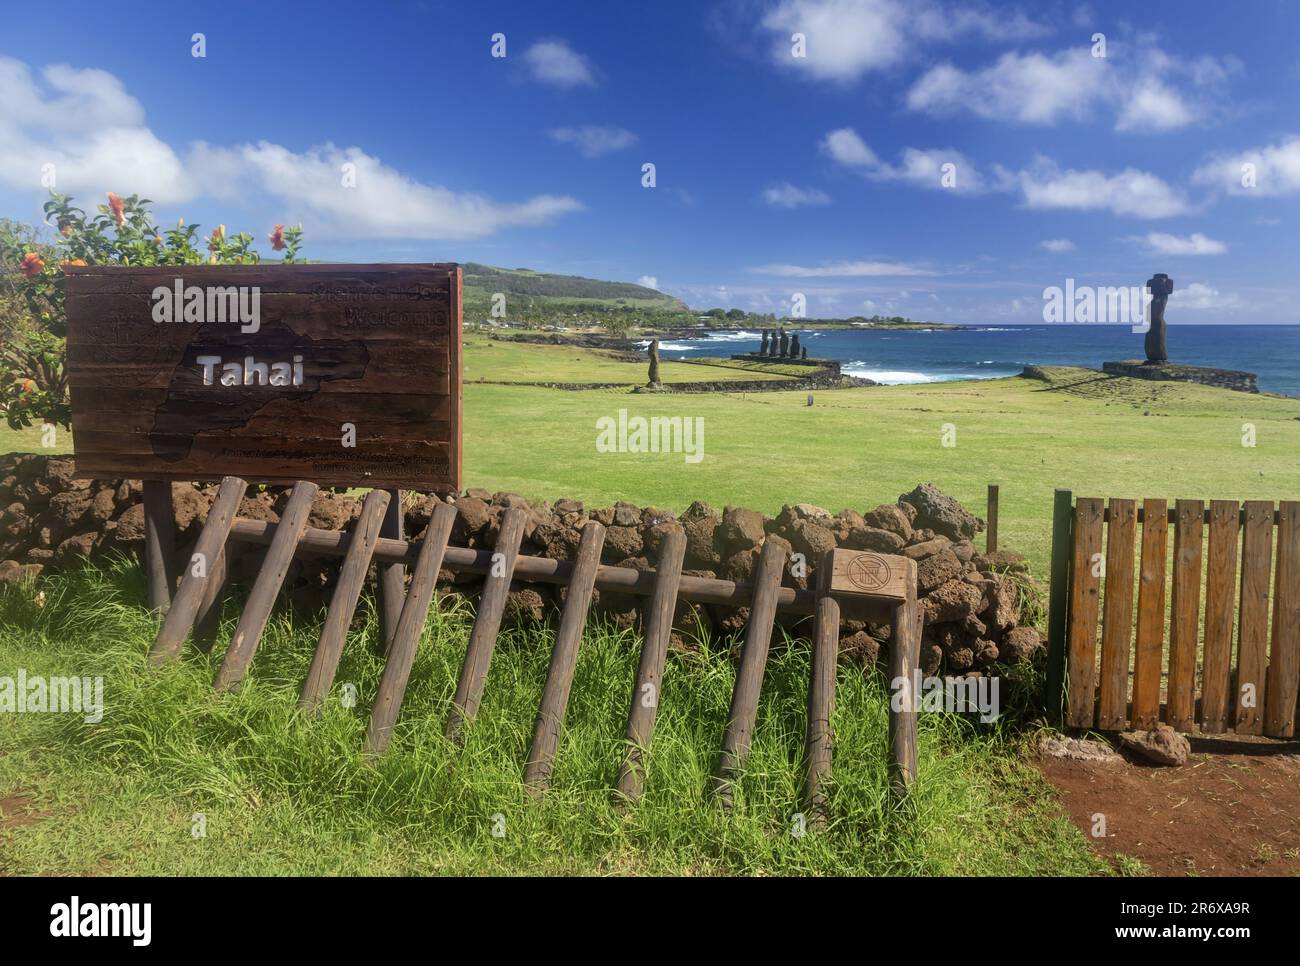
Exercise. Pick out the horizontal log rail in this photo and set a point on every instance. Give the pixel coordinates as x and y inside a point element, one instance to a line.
<point>700,590</point>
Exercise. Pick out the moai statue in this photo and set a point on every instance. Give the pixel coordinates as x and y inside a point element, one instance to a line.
<point>1161,286</point>
<point>794,346</point>
<point>654,362</point>
<point>803,352</point>
<point>762,351</point>
<point>785,344</point>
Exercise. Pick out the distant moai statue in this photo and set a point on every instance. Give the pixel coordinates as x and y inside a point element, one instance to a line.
<point>762,351</point>
<point>785,344</point>
<point>654,362</point>
<point>1161,286</point>
<point>803,352</point>
<point>794,346</point>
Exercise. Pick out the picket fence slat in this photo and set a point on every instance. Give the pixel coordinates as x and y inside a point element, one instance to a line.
<point>1220,607</point>
<point>1150,645</point>
<point>1085,586</point>
<point>1117,616</point>
<point>1185,615</point>
<point>1284,654</point>
<point>1252,632</point>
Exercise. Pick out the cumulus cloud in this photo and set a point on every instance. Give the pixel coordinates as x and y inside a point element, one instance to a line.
<point>842,270</point>
<point>1201,296</point>
<point>1130,192</point>
<point>926,168</point>
<point>592,141</point>
<point>786,195</point>
<point>555,63</point>
<point>1162,243</point>
<point>1057,246</point>
<point>846,39</point>
<point>1264,172</point>
<point>86,124</point>
<point>1073,85</point>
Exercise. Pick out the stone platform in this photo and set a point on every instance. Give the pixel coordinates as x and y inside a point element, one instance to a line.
<point>1175,372</point>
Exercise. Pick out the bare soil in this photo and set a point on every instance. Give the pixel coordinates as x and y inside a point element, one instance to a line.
<point>1233,809</point>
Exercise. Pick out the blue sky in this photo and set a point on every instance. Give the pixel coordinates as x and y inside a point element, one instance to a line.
<point>775,173</point>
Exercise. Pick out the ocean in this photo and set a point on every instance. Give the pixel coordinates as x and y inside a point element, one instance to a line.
<point>984,352</point>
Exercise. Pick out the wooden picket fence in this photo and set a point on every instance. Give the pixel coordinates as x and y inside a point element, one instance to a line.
<point>1118,684</point>
<point>198,600</point>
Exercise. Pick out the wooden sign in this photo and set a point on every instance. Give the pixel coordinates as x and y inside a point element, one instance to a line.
<point>345,375</point>
<point>868,585</point>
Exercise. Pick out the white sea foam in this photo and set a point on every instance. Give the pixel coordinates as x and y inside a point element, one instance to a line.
<point>903,377</point>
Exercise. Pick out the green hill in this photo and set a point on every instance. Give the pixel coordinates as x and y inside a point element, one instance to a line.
<point>540,296</point>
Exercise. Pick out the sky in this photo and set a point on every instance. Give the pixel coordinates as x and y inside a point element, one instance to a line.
<point>942,161</point>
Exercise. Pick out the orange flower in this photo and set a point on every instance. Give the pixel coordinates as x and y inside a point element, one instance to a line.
<point>32,265</point>
<point>218,234</point>
<point>118,209</point>
<point>71,261</point>
<point>277,238</point>
<point>27,386</point>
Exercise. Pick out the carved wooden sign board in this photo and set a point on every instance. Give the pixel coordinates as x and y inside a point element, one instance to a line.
<point>345,375</point>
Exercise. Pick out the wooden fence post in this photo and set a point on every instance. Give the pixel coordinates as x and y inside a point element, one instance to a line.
<point>180,618</point>
<point>1058,606</point>
<point>904,659</point>
<point>392,576</point>
<point>821,706</point>
<point>159,543</point>
<point>648,688</point>
<point>991,535</point>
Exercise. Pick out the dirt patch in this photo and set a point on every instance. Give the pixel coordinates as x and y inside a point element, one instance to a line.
<point>1233,809</point>
<point>18,810</point>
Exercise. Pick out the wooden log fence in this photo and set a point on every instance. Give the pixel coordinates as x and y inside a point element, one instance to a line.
<point>877,586</point>
<point>1225,576</point>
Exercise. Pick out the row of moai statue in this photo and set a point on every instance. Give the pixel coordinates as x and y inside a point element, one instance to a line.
<point>779,345</point>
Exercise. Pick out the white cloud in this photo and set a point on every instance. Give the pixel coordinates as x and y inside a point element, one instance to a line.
<point>1130,192</point>
<point>1030,88</point>
<point>554,62</point>
<point>786,195</point>
<point>649,281</point>
<point>1200,296</point>
<point>93,131</point>
<point>924,168</point>
<point>1273,168</point>
<point>1071,84</point>
<point>592,141</point>
<point>848,38</point>
<point>1057,246</point>
<point>1162,243</point>
<point>842,270</point>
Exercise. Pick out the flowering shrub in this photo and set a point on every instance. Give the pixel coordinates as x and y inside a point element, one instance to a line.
<point>33,383</point>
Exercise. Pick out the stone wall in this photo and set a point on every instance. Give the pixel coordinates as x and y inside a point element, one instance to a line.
<point>1171,372</point>
<point>971,601</point>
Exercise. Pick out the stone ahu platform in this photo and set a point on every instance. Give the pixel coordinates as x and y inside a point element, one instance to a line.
<point>787,360</point>
<point>1174,372</point>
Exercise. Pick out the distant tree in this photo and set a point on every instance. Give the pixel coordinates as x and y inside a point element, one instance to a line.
<point>716,313</point>
<point>735,314</point>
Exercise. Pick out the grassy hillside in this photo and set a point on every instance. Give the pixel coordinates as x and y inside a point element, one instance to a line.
<point>535,295</point>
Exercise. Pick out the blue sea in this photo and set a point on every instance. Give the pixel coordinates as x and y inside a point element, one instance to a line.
<point>984,352</point>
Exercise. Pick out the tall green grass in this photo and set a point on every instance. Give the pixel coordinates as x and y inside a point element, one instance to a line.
<point>283,792</point>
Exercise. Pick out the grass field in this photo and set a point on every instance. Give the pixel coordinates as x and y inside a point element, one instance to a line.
<point>279,792</point>
<point>500,360</point>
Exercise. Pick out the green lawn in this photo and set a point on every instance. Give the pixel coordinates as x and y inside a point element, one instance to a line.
<point>500,360</point>
<point>282,793</point>
<point>861,447</point>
